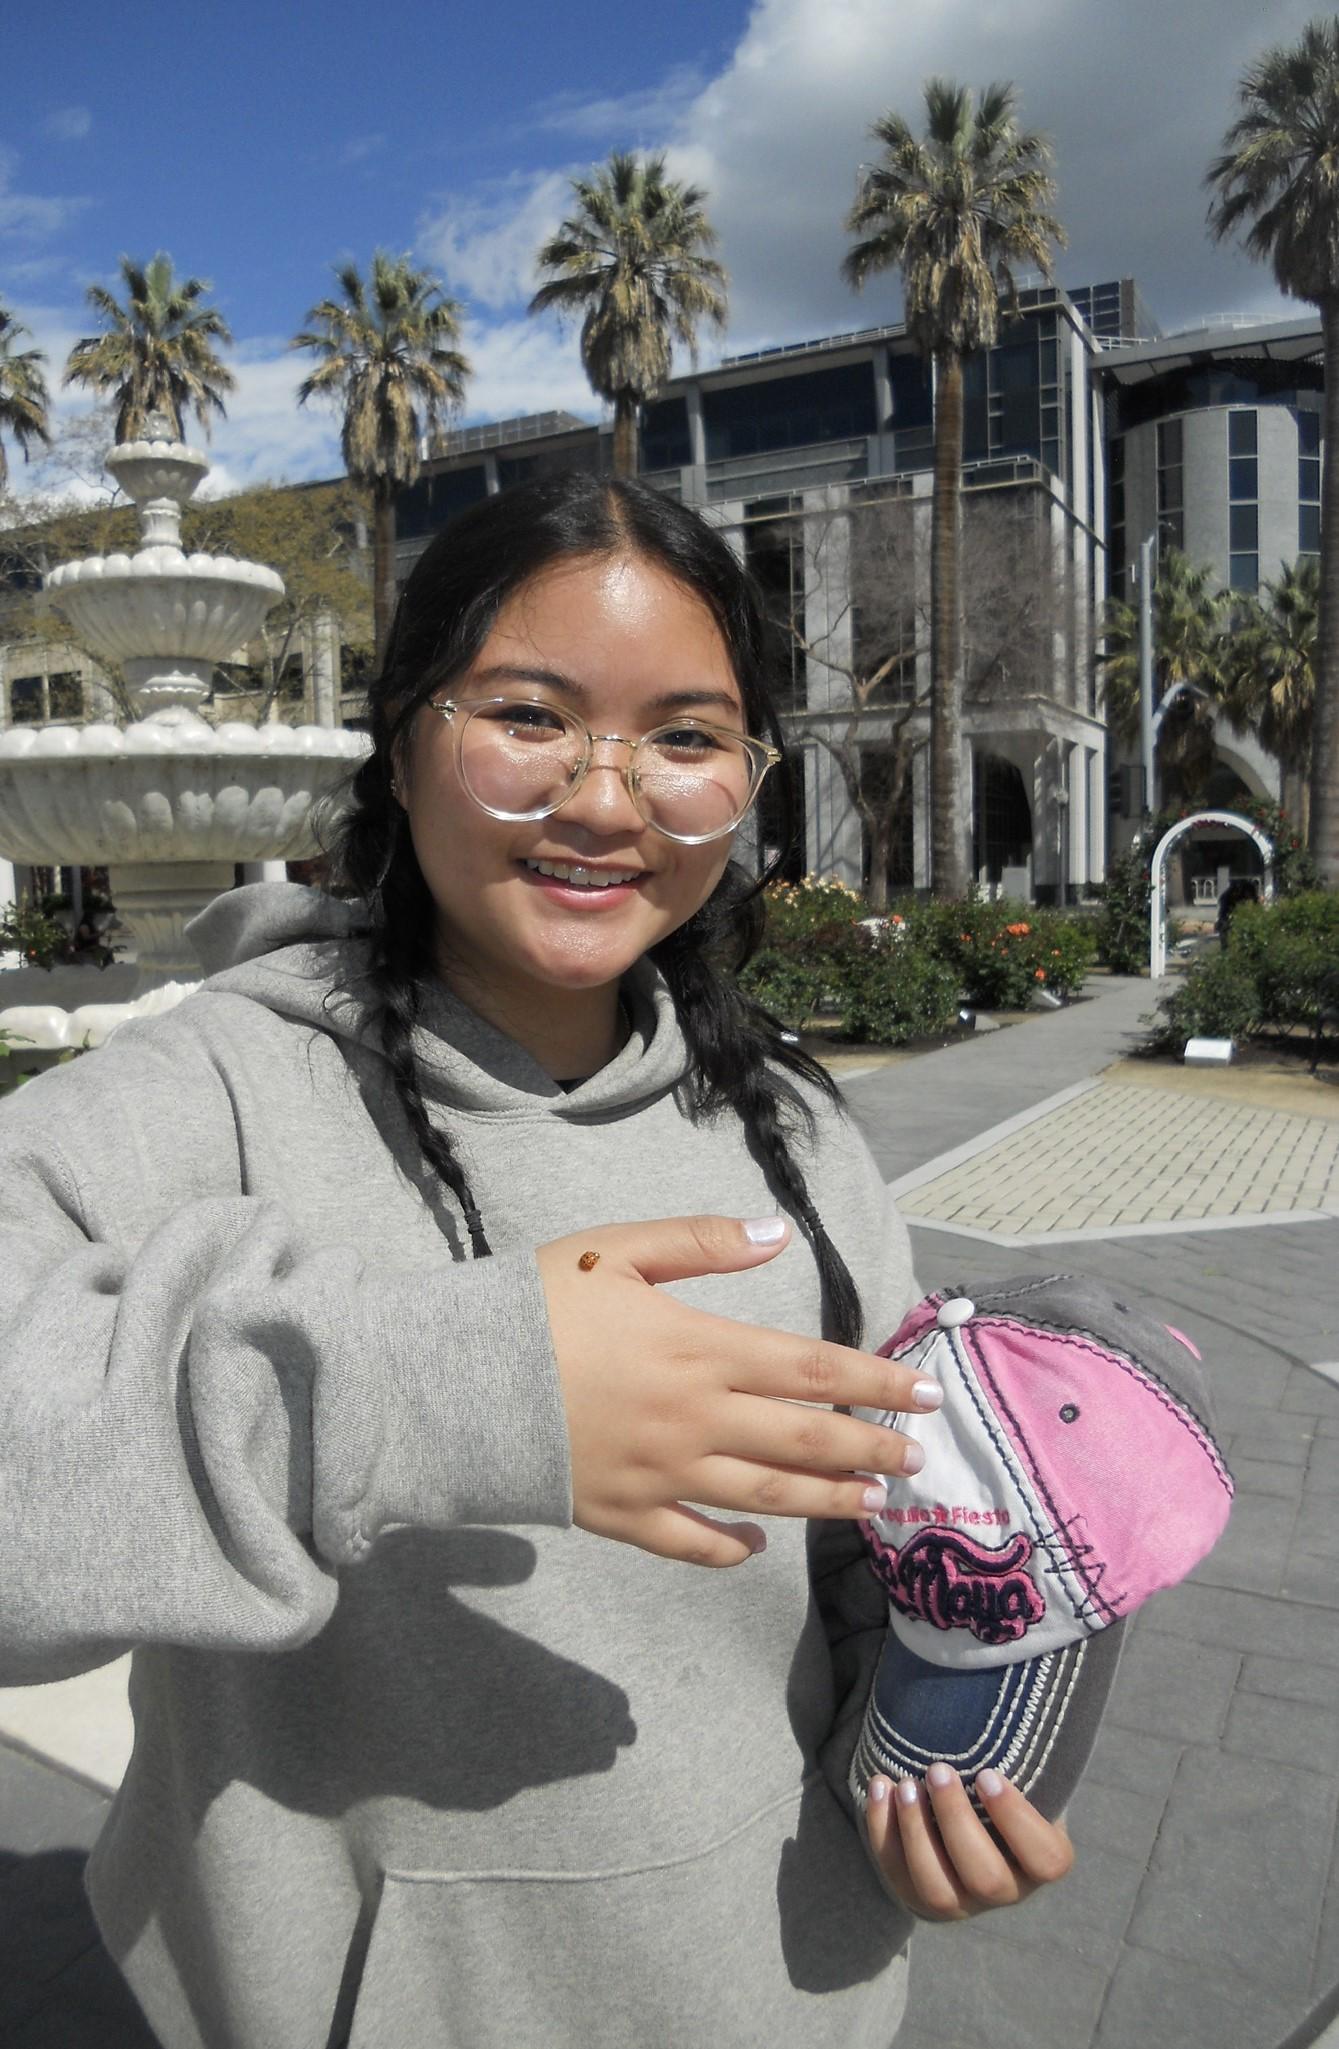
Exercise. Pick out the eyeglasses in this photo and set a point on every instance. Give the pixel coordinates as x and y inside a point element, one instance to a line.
<point>520,760</point>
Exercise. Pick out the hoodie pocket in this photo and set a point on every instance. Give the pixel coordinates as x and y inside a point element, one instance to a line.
<point>776,1934</point>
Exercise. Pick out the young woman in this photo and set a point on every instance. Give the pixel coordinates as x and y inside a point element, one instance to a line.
<point>390,1334</point>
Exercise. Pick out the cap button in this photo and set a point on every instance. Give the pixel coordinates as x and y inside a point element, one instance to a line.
<point>955,1312</point>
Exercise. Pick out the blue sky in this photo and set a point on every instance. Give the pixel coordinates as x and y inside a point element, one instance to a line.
<point>258,144</point>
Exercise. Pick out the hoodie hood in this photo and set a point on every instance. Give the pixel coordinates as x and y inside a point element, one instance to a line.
<point>303,955</point>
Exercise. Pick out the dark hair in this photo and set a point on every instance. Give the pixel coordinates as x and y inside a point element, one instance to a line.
<point>739,1059</point>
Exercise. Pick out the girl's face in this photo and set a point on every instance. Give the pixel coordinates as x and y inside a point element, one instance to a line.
<point>619,640</point>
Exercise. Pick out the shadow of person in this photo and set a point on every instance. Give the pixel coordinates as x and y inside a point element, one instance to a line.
<point>57,1982</point>
<point>410,1691</point>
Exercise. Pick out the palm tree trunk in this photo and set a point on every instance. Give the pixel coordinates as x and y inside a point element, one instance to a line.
<point>383,566</point>
<point>948,837</point>
<point>625,435</point>
<point>1324,840</point>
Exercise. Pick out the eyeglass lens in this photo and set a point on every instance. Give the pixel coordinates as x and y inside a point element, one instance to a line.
<point>519,760</point>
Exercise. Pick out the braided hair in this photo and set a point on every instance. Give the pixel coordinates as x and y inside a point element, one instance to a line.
<point>740,1060</point>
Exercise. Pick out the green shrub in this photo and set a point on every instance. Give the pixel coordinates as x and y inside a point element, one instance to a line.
<point>1276,970</point>
<point>1004,952</point>
<point>789,987</point>
<point>890,991</point>
<point>30,929</point>
<point>1217,1000</point>
<point>1122,922</point>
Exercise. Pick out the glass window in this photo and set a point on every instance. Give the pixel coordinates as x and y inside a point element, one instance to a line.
<point>913,394</point>
<point>1243,473</point>
<point>1308,433</point>
<point>790,412</point>
<point>1171,530</point>
<point>1169,442</point>
<point>1308,477</point>
<point>1243,528</point>
<point>66,696</point>
<point>1241,433</point>
<point>25,700</point>
<point>1308,529</point>
<point>665,443</point>
<point>1244,572</point>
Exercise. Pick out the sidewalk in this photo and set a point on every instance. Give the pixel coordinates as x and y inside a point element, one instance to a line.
<point>1204,1907</point>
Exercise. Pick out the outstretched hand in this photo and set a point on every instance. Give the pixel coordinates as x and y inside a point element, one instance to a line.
<point>936,1855</point>
<point>668,1405</point>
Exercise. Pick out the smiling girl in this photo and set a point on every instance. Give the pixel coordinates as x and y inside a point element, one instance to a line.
<point>393,1331</point>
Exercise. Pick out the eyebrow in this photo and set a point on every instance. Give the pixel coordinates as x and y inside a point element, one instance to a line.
<point>554,679</point>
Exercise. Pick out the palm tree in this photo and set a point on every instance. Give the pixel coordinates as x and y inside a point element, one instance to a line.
<point>1271,677</point>
<point>1275,179</point>
<point>387,352</point>
<point>23,393</point>
<point>955,213</point>
<point>632,259</point>
<point>1191,623</point>
<point>156,353</point>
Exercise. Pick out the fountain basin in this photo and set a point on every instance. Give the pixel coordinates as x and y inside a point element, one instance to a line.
<point>161,602</point>
<point>167,788</point>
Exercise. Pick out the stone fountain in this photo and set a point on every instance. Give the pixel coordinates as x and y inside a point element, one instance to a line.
<point>168,803</point>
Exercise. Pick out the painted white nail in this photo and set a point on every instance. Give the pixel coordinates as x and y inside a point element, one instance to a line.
<point>765,1230</point>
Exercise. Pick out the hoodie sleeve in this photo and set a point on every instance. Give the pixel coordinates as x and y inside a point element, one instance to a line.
<point>199,1429</point>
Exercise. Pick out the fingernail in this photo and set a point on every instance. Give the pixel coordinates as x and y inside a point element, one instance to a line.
<point>874,1497</point>
<point>757,1541</point>
<point>765,1230</point>
<point>940,1775</point>
<point>906,1792</point>
<point>928,1394</point>
<point>878,1792</point>
<point>913,1457</point>
<point>990,1783</point>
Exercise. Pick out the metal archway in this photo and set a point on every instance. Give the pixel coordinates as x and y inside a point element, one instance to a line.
<point>1157,917</point>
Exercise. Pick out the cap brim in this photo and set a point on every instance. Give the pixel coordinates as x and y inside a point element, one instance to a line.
<point>1035,1720</point>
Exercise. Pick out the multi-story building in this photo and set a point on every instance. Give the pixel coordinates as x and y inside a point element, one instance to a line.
<point>1213,442</point>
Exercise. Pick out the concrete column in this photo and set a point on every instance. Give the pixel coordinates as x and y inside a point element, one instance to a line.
<point>323,640</point>
<point>1078,815</point>
<point>1094,771</point>
<point>920,813</point>
<point>697,432</point>
<point>491,485</point>
<point>9,894</point>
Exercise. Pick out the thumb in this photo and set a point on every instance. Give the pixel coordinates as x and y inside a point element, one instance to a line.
<point>673,1248</point>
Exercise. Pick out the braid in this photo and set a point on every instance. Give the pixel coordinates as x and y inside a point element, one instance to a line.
<point>397,967</point>
<point>736,1048</point>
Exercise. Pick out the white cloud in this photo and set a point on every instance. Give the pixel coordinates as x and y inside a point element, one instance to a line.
<point>29,213</point>
<point>523,366</point>
<point>485,242</point>
<point>646,114</point>
<point>360,147</point>
<point>1136,99</point>
<point>68,124</point>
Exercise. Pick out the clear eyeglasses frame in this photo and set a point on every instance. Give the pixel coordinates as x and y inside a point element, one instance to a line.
<point>682,781</point>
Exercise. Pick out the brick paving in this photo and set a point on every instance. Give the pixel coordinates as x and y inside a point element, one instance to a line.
<point>1109,1156</point>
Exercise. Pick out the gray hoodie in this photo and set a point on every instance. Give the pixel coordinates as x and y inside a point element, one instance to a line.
<point>417,1761</point>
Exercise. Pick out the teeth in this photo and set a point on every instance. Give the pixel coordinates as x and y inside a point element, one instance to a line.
<point>584,878</point>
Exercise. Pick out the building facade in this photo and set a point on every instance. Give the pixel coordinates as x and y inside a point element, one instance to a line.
<point>1213,448</point>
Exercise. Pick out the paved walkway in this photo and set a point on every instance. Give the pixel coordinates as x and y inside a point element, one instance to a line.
<point>1204,1909</point>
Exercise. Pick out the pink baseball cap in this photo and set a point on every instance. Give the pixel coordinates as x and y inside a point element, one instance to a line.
<point>1070,1473</point>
